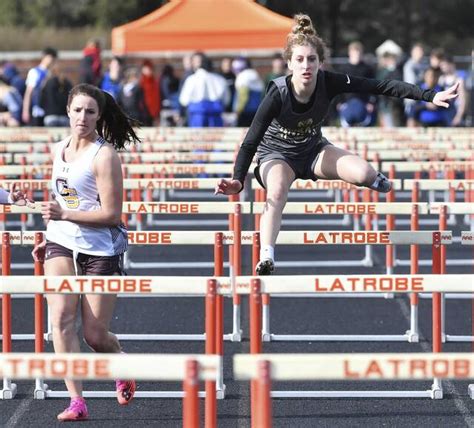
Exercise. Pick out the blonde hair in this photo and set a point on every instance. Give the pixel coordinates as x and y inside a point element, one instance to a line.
<point>304,33</point>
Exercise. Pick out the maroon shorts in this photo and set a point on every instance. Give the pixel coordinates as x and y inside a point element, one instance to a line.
<point>88,264</point>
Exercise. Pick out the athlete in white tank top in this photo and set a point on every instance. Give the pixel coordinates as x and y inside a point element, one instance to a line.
<point>74,188</point>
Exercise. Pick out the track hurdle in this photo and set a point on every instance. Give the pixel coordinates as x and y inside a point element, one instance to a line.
<point>265,368</point>
<point>188,368</point>
<point>435,283</point>
<point>434,238</point>
<point>132,285</point>
<point>187,208</point>
<point>346,208</point>
<point>332,188</point>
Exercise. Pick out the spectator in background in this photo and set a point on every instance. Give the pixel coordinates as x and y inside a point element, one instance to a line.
<point>131,97</point>
<point>229,76</point>
<point>53,98</point>
<point>9,73</point>
<point>90,68</point>
<point>204,94</point>
<point>169,88</point>
<point>413,71</point>
<point>10,105</point>
<point>428,114</point>
<point>416,65</point>
<point>112,79</point>
<point>436,56</point>
<point>32,113</point>
<point>187,71</point>
<point>278,68</point>
<point>151,91</point>
<point>249,90</point>
<point>390,109</point>
<point>450,75</point>
<point>357,109</point>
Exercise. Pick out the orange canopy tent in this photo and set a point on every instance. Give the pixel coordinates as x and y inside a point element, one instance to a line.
<point>188,25</point>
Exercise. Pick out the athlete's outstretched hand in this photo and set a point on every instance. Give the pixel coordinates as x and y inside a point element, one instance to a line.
<point>228,187</point>
<point>441,98</point>
<point>17,197</point>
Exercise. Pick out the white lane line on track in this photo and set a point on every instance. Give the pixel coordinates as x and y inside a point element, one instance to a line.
<point>20,411</point>
<point>458,402</point>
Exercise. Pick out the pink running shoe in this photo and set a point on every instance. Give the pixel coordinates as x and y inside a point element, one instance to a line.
<point>125,391</point>
<point>77,411</point>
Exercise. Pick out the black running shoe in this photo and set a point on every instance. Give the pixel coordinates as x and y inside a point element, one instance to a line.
<point>265,267</point>
<point>382,184</point>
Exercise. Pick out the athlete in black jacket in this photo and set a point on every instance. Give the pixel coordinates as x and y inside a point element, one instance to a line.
<point>286,132</point>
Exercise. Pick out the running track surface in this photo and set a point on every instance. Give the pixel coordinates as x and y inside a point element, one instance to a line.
<point>298,316</point>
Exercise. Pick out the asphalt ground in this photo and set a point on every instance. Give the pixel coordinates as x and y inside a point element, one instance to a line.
<point>288,315</point>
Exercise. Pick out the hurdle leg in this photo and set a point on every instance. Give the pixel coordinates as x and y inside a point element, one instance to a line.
<point>367,261</point>
<point>40,387</point>
<point>264,417</point>
<point>255,309</point>
<point>219,271</point>
<point>237,270</point>
<point>9,389</point>
<point>436,387</point>
<point>413,334</point>
<point>190,399</point>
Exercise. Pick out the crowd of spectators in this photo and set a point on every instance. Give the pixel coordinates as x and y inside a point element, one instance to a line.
<point>227,91</point>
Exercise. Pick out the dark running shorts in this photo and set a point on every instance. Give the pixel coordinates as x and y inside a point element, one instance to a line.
<point>88,265</point>
<point>303,167</point>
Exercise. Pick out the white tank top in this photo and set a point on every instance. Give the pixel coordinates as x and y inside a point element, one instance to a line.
<point>74,187</point>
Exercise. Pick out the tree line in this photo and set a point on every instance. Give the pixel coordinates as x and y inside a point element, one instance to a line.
<point>435,22</point>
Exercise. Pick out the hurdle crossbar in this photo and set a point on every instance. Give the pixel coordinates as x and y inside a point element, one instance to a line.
<point>262,369</point>
<point>188,368</point>
<point>348,283</point>
<point>207,287</point>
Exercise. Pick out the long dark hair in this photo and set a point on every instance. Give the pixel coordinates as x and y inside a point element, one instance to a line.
<point>113,124</point>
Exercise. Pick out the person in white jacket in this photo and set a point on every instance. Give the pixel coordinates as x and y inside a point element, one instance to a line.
<point>204,94</point>
<point>248,91</point>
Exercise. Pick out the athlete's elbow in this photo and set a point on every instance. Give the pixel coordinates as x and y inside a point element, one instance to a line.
<point>114,219</point>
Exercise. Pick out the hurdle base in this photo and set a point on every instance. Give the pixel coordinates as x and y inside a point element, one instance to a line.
<point>429,262</point>
<point>470,390</point>
<point>234,336</point>
<point>436,390</point>
<point>41,390</point>
<point>352,394</point>
<point>458,338</point>
<point>220,393</point>
<point>412,337</point>
<point>8,392</point>
<point>169,337</point>
<point>340,337</point>
<point>138,394</point>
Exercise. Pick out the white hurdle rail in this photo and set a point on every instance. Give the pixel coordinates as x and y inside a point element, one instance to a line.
<point>449,187</point>
<point>262,369</point>
<point>188,368</point>
<point>434,283</point>
<point>149,237</point>
<point>318,209</point>
<point>433,238</point>
<point>133,285</point>
<point>329,188</point>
